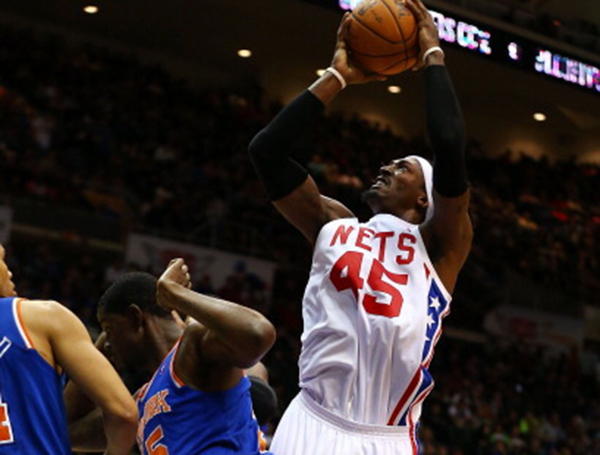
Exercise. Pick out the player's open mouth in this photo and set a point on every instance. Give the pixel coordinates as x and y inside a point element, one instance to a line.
<point>380,181</point>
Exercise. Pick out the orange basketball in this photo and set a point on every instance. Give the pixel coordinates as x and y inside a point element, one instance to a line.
<point>383,37</point>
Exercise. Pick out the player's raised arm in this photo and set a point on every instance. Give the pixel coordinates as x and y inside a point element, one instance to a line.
<point>449,233</point>
<point>226,336</point>
<point>91,371</point>
<point>293,192</point>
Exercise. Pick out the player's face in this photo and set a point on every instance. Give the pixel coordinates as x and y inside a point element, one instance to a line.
<point>7,287</point>
<point>121,340</point>
<point>398,187</point>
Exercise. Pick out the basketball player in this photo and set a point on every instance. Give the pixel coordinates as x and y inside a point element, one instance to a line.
<point>377,290</point>
<point>197,399</point>
<point>39,341</point>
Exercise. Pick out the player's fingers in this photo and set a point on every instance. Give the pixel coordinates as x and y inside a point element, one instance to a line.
<point>424,11</point>
<point>341,27</point>
<point>419,13</point>
<point>184,268</point>
<point>175,262</point>
<point>413,9</point>
<point>417,4</point>
<point>343,30</point>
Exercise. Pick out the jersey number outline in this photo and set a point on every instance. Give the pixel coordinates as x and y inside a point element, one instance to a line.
<point>153,445</point>
<point>6,433</point>
<point>351,261</point>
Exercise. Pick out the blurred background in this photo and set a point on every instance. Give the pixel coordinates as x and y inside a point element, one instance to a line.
<point>123,135</point>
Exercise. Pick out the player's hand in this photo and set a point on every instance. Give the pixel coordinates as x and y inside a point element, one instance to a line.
<point>428,33</point>
<point>176,273</point>
<point>342,61</point>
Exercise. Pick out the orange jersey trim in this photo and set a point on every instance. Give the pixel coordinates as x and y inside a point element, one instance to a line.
<point>28,341</point>
<point>174,376</point>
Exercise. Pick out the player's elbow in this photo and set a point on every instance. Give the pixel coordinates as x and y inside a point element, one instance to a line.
<point>260,148</point>
<point>260,338</point>
<point>266,335</point>
<point>122,412</point>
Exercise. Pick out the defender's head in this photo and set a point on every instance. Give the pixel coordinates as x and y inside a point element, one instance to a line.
<point>128,313</point>
<point>7,287</point>
<point>403,188</point>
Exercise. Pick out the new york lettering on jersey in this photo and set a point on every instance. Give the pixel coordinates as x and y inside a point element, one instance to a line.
<point>32,414</point>
<point>176,419</point>
<point>371,290</point>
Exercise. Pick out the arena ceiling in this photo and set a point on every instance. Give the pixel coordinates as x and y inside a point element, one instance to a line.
<point>291,39</point>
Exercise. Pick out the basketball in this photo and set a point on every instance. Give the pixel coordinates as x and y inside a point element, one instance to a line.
<point>383,37</point>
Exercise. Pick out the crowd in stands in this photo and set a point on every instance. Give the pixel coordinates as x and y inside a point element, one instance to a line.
<point>100,132</point>
<point>511,399</point>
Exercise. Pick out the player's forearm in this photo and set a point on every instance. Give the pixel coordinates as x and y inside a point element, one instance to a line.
<point>120,433</point>
<point>446,129</point>
<point>87,433</point>
<point>244,330</point>
<point>77,403</point>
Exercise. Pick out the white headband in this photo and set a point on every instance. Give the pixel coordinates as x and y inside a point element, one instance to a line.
<point>427,170</point>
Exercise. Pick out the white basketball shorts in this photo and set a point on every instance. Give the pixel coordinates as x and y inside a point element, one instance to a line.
<point>309,429</point>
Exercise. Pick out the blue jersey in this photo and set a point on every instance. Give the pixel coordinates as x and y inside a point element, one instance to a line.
<point>176,419</point>
<point>32,410</point>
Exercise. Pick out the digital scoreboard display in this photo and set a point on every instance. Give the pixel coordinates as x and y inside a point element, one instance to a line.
<point>503,47</point>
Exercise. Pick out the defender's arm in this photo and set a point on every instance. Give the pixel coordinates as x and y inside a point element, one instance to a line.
<point>226,336</point>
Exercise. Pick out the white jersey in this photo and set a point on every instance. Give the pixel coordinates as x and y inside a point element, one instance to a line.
<point>372,314</point>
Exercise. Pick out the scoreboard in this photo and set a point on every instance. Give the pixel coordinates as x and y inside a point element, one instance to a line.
<point>510,49</point>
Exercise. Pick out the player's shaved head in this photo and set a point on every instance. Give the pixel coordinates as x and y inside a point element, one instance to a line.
<point>135,288</point>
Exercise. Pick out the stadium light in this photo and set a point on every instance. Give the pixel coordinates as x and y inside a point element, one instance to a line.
<point>91,9</point>
<point>244,53</point>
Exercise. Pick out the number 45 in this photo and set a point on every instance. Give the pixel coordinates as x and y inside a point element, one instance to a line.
<point>351,262</point>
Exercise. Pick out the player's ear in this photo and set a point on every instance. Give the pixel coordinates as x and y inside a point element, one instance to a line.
<point>135,316</point>
<point>423,202</point>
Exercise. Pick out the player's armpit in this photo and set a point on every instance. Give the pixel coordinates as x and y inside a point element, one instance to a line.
<point>194,365</point>
<point>91,371</point>
<point>307,210</point>
<point>448,236</point>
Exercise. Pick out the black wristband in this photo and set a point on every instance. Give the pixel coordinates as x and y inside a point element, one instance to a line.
<point>270,148</point>
<point>446,129</point>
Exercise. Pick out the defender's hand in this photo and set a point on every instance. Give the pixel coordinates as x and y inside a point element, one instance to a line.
<point>176,273</point>
<point>428,34</point>
<point>342,61</point>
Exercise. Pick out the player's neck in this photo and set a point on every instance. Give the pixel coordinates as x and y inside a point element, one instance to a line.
<point>161,339</point>
<point>410,216</point>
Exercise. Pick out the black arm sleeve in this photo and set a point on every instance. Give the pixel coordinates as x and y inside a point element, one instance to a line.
<point>446,129</point>
<point>270,148</point>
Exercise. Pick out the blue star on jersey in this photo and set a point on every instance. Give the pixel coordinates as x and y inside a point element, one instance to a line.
<point>437,309</point>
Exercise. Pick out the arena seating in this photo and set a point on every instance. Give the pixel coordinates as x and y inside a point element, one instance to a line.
<point>98,132</point>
